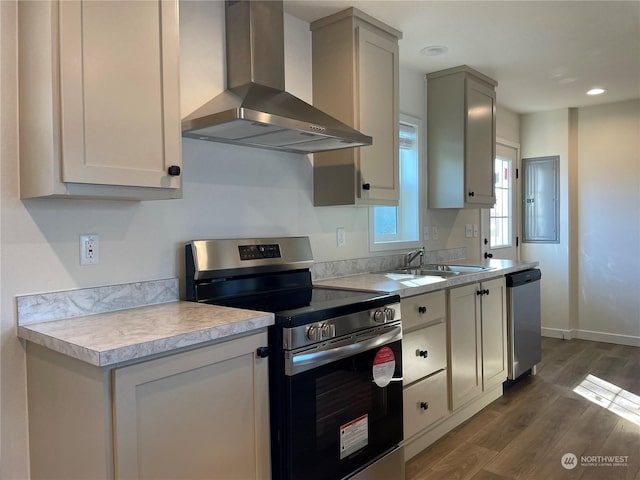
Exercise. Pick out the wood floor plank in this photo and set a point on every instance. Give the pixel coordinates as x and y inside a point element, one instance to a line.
<point>485,475</point>
<point>455,438</point>
<point>517,416</point>
<point>533,447</point>
<point>461,464</point>
<point>587,434</point>
<point>624,440</point>
<point>525,433</point>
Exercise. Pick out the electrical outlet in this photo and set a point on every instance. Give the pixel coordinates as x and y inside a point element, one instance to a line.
<point>434,233</point>
<point>89,249</point>
<point>468,230</point>
<point>475,230</point>
<point>340,237</point>
<point>425,233</point>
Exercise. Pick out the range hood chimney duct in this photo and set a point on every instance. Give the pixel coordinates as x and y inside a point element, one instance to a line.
<point>255,110</point>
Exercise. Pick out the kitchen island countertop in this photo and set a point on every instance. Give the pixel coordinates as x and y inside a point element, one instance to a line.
<point>109,339</point>
<point>407,285</point>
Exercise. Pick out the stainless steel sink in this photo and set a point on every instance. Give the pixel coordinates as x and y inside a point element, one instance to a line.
<point>458,268</point>
<point>442,270</point>
<point>425,272</point>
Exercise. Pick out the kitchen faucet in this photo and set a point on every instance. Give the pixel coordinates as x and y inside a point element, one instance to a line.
<point>411,256</point>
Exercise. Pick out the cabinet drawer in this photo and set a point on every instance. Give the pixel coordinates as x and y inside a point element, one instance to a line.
<point>424,351</point>
<point>424,403</point>
<point>422,309</point>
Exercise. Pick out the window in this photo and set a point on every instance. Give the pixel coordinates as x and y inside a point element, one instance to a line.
<point>399,227</point>
<point>500,215</point>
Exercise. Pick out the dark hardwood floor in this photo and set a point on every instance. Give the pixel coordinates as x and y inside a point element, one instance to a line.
<point>525,433</point>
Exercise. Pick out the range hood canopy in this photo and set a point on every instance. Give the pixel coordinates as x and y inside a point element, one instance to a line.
<point>255,110</point>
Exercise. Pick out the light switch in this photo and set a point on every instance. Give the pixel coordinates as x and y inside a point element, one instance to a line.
<point>468,230</point>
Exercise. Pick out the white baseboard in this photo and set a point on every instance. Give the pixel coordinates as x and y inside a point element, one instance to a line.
<point>557,333</point>
<point>608,338</point>
<point>591,335</point>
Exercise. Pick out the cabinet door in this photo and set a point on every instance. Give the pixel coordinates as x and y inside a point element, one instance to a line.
<point>379,117</point>
<point>120,111</point>
<point>494,333</point>
<point>480,143</point>
<point>201,414</point>
<point>465,363</point>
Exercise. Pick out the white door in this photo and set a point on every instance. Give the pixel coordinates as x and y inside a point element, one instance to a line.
<point>500,225</point>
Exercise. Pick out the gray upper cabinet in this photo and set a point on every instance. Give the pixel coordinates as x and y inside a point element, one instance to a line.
<point>461,138</point>
<point>99,100</point>
<point>355,79</point>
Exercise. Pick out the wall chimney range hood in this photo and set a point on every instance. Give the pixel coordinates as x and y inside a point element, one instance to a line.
<point>255,110</point>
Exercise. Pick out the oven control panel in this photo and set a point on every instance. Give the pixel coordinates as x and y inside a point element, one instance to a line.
<point>258,252</point>
<point>327,331</point>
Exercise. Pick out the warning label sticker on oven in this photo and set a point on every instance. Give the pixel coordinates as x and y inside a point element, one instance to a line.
<point>384,364</point>
<point>354,435</point>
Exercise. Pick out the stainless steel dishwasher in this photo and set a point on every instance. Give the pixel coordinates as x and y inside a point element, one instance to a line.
<point>523,321</point>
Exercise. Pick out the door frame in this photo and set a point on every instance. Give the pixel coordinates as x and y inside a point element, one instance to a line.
<point>485,228</point>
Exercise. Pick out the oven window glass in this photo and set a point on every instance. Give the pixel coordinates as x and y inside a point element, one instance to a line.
<point>340,419</point>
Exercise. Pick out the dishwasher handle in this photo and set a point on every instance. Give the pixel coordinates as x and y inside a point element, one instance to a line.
<point>521,278</point>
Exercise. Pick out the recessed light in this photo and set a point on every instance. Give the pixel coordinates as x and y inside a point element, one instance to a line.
<point>596,91</point>
<point>434,50</point>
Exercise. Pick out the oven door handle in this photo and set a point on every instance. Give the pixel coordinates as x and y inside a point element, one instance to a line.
<point>301,362</point>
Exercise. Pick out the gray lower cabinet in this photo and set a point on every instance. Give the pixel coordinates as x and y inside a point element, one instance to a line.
<point>198,414</point>
<point>454,358</point>
<point>424,355</point>
<point>478,339</point>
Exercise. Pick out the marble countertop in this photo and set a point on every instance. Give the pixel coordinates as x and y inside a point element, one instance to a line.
<point>409,285</point>
<point>107,339</point>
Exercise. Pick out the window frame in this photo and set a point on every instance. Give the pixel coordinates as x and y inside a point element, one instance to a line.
<point>404,244</point>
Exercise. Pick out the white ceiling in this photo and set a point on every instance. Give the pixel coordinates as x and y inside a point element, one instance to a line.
<point>544,54</point>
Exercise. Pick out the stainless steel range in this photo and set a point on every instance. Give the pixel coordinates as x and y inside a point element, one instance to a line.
<point>335,357</point>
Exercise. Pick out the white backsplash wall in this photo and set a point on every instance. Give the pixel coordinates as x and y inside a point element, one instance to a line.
<point>451,223</point>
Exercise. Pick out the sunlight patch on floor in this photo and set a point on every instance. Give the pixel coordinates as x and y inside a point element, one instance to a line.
<point>610,396</point>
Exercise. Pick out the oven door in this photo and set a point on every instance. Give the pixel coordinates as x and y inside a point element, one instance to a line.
<point>344,414</point>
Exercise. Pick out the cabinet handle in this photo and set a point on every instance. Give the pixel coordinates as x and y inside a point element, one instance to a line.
<point>479,292</point>
<point>174,170</point>
<point>422,353</point>
<point>424,405</point>
<point>262,352</point>
<point>486,292</point>
<point>366,186</point>
<point>488,255</point>
<point>472,194</point>
<point>422,309</point>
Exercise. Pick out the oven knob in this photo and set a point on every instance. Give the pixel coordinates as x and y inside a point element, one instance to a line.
<point>327,330</point>
<point>314,333</point>
<point>389,314</point>
<point>379,316</point>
